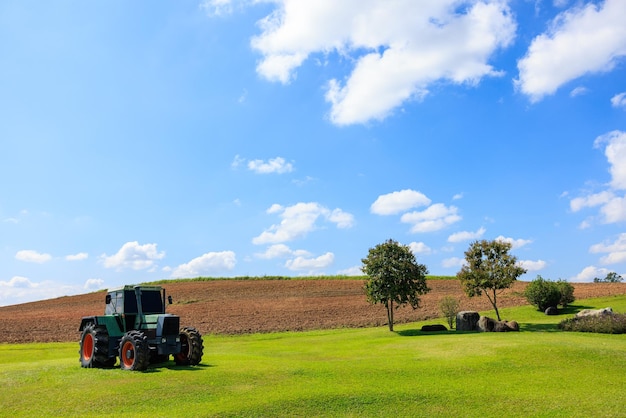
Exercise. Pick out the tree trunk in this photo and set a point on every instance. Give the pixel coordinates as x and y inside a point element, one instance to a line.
<point>389,305</point>
<point>495,304</point>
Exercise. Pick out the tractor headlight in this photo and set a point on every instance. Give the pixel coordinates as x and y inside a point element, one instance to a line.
<point>163,340</point>
<point>177,339</point>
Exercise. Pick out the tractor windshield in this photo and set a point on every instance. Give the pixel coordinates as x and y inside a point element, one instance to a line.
<point>151,302</point>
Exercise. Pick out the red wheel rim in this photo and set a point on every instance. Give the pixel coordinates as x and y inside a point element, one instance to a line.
<point>87,347</point>
<point>184,348</point>
<point>128,354</point>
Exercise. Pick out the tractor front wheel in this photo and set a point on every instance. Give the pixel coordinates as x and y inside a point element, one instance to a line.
<point>94,347</point>
<point>191,347</point>
<point>134,351</point>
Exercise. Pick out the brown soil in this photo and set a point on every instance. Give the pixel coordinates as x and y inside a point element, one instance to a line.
<point>250,306</point>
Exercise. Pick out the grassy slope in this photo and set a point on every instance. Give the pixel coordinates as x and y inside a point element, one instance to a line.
<point>351,372</point>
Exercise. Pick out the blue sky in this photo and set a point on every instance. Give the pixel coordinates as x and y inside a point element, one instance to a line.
<point>149,140</point>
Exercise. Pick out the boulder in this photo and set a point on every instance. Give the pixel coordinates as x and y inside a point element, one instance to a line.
<point>486,324</point>
<point>434,328</point>
<point>513,325</point>
<point>552,310</point>
<point>467,320</point>
<point>595,312</point>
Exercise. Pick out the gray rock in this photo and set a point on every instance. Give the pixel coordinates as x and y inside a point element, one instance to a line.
<point>595,312</point>
<point>434,328</point>
<point>467,320</point>
<point>552,310</point>
<point>486,324</point>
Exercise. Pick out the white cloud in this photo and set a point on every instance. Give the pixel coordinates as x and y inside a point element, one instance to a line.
<point>466,235</point>
<point>18,282</point>
<point>614,210</point>
<point>352,271</point>
<point>77,257</point>
<point>616,251</point>
<point>281,251</point>
<point>209,263</point>
<point>237,161</point>
<point>31,256</point>
<point>399,48</point>
<point>300,219</point>
<point>342,219</point>
<point>434,218</point>
<point>309,264</point>
<point>612,201</point>
<point>94,284</point>
<point>453,262</point>
<point>531,265</point>
<point>134,256</point>
<point>619,100</point>
<point>591,200</point>
<point>515,243</point>
<point>615,152</point>
<point>396,202</point>
<point>579,91</point>
<point>581,40</point>
<point>217,7</point>
<point>274,165</point>
<point>21,290</point>
<point>419,248</point>
<point>589,273</point>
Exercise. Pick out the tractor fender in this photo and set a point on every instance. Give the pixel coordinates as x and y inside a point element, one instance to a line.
<point>87,320</point>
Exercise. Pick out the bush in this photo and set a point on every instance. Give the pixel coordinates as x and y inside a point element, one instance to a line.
<point>449,307</point>
<point>603,324</point>
<point>542,293</point>
<point>567,292</point>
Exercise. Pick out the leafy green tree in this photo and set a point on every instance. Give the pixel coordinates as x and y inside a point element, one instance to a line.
<point>490,269</point>
<point>394,277</point>
<point>449,307</point>
<point>611,277</point>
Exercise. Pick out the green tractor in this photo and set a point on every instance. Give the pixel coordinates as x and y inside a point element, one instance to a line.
<point>136,328</point>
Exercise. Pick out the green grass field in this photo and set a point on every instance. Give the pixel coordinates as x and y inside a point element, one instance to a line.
<point>539,371</point>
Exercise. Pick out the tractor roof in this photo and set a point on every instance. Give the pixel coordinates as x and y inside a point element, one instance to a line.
<point>132,287</point>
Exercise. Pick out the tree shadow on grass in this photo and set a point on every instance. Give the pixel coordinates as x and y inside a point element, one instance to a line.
<point>573,309</point>
<point>539,328</point>
<point>418,332</point>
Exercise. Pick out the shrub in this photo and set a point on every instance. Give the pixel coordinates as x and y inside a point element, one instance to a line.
<point>449,307</point>
<point>567,292</point>
<point>603,324</point>
<point>542,293</point>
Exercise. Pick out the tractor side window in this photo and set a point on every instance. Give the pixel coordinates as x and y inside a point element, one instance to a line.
<point>115,305</point>
<point>151,302</point>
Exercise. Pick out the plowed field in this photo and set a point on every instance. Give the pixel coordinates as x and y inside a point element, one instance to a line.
<point>251,306</point>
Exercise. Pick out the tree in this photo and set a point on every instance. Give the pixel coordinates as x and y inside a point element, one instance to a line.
<point>394,277</point>
<point>489,268</point>
<point>611,277</point>
<point>449,307</point>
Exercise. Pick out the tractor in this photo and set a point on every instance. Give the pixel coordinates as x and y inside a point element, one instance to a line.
<point>136,328</point>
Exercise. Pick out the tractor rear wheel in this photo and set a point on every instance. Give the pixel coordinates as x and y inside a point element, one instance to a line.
<point>94,347</point>
<point>191,347</point>
<point>134,351</point>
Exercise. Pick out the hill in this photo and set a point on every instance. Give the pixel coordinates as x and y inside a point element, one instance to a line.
<point>251,306</point>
